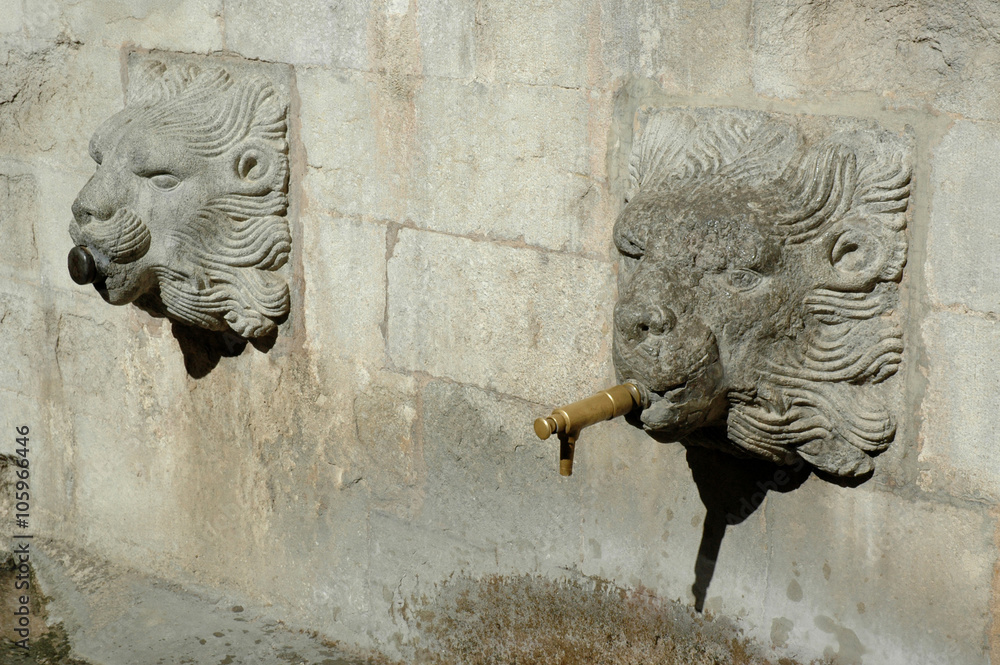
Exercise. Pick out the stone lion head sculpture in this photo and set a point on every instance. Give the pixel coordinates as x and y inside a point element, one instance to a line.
<point>186,213</point>
<point>759,283</point>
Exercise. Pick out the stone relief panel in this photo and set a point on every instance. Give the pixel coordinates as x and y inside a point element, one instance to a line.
<point>758,301</point>
<point>186,215</point>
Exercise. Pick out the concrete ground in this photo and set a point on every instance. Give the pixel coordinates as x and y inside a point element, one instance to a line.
<point>97,614</point>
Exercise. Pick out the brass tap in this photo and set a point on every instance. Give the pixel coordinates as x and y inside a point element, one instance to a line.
<point>567,421</point>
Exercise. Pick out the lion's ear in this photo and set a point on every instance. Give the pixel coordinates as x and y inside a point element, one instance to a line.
<point>258,167</point>
<point>857,254</point>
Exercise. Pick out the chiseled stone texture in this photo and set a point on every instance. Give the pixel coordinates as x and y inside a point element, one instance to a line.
<point>516,504</point>
<point>542,42</point>
<point>519,321</point>
<point>959,418</point>
<point>20,317</point>
<point>448,33</point>
<point>505,161</point>
<point>963,240</point>
<point>180,25</point>
<point>509,162</point>
<point>52,97</point>
<point>341,143</point>
<point>11,18</point>
<point>863,577</point>
<point>937,52</point>
<point>344,274</point>
<point>18,214</point>
<point>315,32</point>
<point>687,45</point>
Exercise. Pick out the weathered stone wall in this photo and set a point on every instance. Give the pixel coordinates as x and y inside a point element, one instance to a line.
<point>456,174</point>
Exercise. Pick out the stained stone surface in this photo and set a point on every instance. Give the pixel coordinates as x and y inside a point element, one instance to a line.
<point>456,170</point>
<point>934,52</point>
<point>961,261</point>
<point>551,307</point>
<point>958,421</point>
<point>939,551</point>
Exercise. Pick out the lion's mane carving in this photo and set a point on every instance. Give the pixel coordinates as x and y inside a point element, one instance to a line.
<point>186,214</point>
<point>759,283</point>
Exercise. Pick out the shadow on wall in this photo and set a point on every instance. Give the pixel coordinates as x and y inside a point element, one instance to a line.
<point>731,489</point>
<point>203,349</point>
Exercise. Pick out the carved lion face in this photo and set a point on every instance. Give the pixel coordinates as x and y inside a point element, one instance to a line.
<point>185,215</point>
<point>758,287</point>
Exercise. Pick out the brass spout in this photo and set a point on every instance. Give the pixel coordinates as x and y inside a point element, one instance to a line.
<point>567,421</point>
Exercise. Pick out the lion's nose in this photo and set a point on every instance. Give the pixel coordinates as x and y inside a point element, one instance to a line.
<point>637,322</point>
<point>83,211</point>
<point>96,200</point>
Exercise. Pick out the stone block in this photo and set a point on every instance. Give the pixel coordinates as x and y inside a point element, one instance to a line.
<point>177,25</point>
<point>527,323</point>
<point>12,18</point>
<point>963,239</point>
<point>314,32</point>
<point>344,266</point>
<point>959,419</point>
<point>858,575</point>
<point>18,215</point>
<point>934,52</point>
<point>463,158</point>
<point>508,162</point>
<point>541,42</point>
<point>490,481</point>
<point>341,142</point>
<point>686,45</point>
<point>24,341</point>
<point>448,38</point>
<point>53,98</point>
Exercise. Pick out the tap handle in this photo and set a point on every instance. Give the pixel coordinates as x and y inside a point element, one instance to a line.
<point>605,405</point>
<point>567,421</point>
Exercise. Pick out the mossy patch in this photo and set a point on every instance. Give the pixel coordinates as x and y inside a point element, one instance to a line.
<point>522,620</point>
<point>47,644</point>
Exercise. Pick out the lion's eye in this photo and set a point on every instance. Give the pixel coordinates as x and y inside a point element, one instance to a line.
<point>743,279</point>
<point>164,181</point>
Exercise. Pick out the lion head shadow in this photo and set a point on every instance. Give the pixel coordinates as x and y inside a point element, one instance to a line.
<point>203,349</point>
<point>732,488</point>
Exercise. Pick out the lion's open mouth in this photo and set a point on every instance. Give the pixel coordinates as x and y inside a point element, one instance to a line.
<point>682,407</point>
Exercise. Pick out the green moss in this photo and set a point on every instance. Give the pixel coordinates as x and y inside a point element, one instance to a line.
<point>48,644</point>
